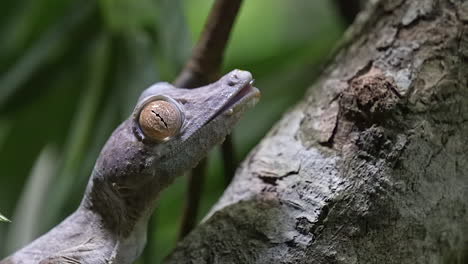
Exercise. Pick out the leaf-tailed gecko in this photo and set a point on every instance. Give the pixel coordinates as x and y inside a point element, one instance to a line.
<point>170,130</point>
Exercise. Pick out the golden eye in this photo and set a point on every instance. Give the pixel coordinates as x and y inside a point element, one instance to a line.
<point>160,120</point>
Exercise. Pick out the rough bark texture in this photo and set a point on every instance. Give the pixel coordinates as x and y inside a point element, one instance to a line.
<point>371,167</point>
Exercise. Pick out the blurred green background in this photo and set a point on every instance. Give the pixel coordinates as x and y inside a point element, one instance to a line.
<point>71,70</point>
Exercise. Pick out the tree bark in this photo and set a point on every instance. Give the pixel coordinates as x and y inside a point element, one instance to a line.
<point>371,166</point>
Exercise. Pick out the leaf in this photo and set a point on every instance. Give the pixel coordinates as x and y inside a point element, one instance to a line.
<point>81,131</point>
<point>174,45</point>
<point>135,70</point>
<point>3,218</point>
<point>51,45</point>
<point>124,16</point>
<point>19,150</point>
<point>33,202</point>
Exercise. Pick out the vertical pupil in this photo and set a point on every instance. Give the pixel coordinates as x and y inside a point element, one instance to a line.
<point>160,120</point>
<point>160,117</point>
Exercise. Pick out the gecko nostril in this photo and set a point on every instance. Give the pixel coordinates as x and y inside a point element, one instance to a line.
<point>232,82</point>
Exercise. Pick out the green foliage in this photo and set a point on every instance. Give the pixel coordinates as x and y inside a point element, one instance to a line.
<point>71,71</point>
<point>128,15</point>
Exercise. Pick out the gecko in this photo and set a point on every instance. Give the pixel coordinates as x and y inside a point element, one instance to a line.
<point>170,130</point>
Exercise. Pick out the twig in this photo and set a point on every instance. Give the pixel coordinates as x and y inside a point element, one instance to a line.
<point>229,159</point>
<point>193,197</point>
<point>348,9</point>
<point>204,65</point>
<point>203,68</point>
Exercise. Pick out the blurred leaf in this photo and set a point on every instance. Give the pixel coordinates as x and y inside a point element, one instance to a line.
<point>173,43</point>
<point>48,47</point>
<point>30,128</point>
<point>26,22</point>
<point>135,70</point>
<point>32,203</point>
<point>3,218</point>
<point>127,15</point>
<point>82,128</point>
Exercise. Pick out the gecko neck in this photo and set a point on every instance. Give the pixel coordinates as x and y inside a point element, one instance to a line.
<point>124,247</point>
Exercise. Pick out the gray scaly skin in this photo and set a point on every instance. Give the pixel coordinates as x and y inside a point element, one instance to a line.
<point>111,222</point>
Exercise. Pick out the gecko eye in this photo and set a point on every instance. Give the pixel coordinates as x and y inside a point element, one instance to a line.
<point>160,120</point>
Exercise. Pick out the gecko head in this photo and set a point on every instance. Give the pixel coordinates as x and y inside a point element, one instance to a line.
<point>170,130</point>
<point>182,125</point>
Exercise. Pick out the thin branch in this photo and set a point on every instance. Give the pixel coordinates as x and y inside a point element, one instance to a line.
<point>203,68</point>
<point>229,159</point>
<point>193,197</point>
<point>204,65</point>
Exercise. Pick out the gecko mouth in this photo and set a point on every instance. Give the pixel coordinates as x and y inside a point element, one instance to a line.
<point>245,93</point>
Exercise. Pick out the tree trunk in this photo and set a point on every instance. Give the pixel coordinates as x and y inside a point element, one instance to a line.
<point>371,166</point>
